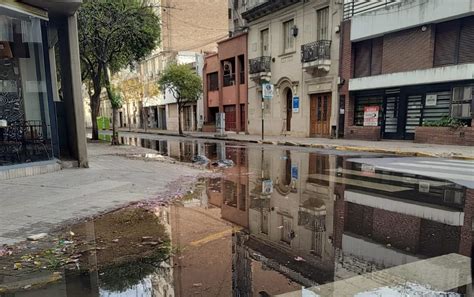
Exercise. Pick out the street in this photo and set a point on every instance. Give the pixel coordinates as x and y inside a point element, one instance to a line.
<point>329,216</point>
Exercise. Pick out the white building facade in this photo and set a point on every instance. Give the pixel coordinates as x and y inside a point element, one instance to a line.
<point>294,46</point>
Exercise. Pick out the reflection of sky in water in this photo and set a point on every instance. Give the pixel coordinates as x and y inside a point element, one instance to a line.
<point>143,289</point>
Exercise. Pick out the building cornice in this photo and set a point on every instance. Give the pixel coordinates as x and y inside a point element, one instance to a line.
<point>266,8</point>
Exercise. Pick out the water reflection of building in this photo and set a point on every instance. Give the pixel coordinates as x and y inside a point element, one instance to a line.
<point>389,219</point>
<point>291,229</point>
<point>230,192</point>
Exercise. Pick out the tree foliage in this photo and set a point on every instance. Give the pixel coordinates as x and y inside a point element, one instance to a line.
<point>184,84</point>
<point>112,35</point>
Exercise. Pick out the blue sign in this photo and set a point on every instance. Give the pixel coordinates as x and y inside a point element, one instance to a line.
<point>294,171</point>
<point>296,104</point>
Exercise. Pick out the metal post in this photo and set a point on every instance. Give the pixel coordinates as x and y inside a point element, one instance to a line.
<point>263,121</point>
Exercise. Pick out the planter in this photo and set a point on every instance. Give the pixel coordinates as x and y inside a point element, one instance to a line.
<point>445,135</point>
<point>362,133</point>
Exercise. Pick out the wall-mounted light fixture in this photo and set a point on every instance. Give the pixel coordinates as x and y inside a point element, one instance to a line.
<point>294,31</point>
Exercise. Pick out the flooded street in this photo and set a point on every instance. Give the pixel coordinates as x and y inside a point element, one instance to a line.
<point>273,220</point>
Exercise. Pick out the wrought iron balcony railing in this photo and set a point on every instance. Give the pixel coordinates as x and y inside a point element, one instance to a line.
<point>318,50</point>
<point>260,64</point>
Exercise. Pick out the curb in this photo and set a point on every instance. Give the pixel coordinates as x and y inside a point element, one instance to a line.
<point>317,146</point>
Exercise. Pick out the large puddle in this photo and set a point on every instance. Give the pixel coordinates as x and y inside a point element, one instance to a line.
<point>279,220</point>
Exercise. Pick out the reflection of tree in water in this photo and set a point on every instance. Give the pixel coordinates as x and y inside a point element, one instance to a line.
<point>121,277</point>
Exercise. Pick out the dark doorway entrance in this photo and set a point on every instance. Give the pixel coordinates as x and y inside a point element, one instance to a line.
<point>289,108</point>
<point>402,114</point>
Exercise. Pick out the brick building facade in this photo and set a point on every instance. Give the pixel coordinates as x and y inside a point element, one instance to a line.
<point>225,85</point>
<point>408,74</point>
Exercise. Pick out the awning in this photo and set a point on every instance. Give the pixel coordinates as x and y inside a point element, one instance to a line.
<point>24,9</point>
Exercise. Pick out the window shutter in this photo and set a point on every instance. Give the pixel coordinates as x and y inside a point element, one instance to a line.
<point>466,42</point>
<point>362,58</point>
<point>377,51</point>
<point>445,43</point>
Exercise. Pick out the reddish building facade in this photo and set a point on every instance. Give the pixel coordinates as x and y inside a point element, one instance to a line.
<point>225,85</point>
<point>408,75</point>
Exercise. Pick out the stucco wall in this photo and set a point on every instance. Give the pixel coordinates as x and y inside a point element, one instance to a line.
<point>287,71</point>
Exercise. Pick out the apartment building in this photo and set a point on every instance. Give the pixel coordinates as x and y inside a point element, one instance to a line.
<point>182,32</point>
<point>400,76</point>
<point>225,85</point>
<point>294,46</point>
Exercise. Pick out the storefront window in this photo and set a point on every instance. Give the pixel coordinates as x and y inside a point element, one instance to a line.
<point>361,105</point>
<point>25,132</point>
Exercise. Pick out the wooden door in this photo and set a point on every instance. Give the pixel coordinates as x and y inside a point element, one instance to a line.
<point>320,111</point>
<point>230,118</point>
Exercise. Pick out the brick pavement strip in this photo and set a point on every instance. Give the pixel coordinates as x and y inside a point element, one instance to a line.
<point>403,148</point>
<point>35,204</point>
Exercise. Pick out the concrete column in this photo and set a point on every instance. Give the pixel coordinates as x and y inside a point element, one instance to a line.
<point>71,85</point>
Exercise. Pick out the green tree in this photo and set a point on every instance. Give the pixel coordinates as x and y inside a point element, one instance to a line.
<point>112,35</point>
<point>184,84</point>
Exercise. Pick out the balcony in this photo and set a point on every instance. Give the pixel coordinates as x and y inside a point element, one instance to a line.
<point>259,68</point>
<point>261,8</point>
<point>316,55</point>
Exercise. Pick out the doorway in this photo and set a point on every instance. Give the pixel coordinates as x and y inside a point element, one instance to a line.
<point>289,108</point>
<point>320,110</point>
<point>230,118</point>
<point>402,115</point>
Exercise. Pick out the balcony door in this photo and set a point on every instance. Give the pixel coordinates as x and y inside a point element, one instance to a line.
<point>265,45</point>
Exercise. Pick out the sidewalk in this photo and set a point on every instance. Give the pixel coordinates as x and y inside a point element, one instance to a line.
<point>36,204</point>
<point>404,148</point>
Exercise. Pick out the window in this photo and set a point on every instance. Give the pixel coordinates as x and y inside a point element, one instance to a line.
<point>288,39</point>
<point>25,104</point>
<point>213,81</point>
<point>368,57</point>
<point>229,11</point>
<point>323,24</point>
<point>454,41</point>
<point>242,69</point>
<point>362,102</point>
<point>461,102</point>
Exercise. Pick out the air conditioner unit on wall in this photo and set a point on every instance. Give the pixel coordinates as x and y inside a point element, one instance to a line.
<point>227,66</point>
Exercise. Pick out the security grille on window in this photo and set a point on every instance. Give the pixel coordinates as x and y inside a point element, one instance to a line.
<point>288,38</point>
<point>323,23</point>
<point>461,102</point>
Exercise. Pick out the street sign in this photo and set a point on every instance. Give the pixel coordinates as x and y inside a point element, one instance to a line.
<point>267,91</point>
<point>267,186</point>
<point>431,100</point>
<point>294,171</point>
<point>296,104</point>
<point>371,115</point>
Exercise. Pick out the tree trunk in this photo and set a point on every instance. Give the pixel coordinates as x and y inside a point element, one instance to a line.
<point>145,118</point>
<point>108,88</point>
<point>129,118</point>
<point>95,108</point>
<point>95,127</point>
<point>180,128</point>
<point>114,127</point>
